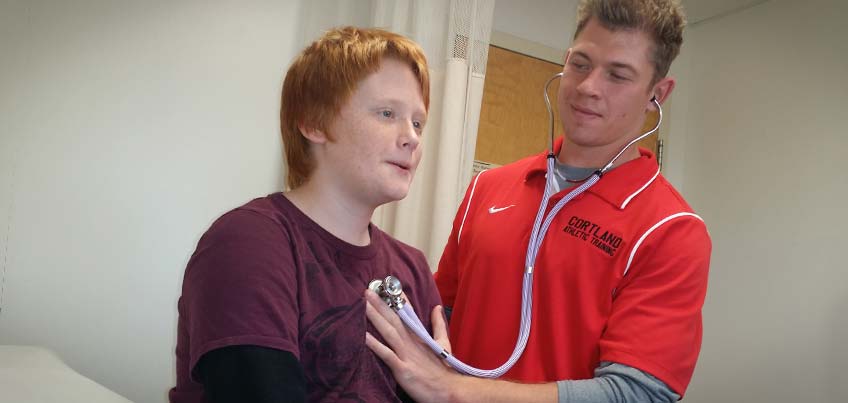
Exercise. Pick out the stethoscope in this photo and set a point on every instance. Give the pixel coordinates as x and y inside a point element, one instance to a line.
<point>390,289</point>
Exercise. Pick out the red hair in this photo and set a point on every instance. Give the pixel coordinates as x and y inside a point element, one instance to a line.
<point>323,77</point>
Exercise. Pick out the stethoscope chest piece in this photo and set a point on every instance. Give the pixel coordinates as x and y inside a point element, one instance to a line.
<point>390,290</point>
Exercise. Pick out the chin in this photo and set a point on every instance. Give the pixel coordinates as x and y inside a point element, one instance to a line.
<point>384,196</point>
<point>398,193</point>
<point>585,135</point>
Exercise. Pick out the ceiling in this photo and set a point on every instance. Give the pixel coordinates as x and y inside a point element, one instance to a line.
<point>551,22</point>
<point>700,10</point>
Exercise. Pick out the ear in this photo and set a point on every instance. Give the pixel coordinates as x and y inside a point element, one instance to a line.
<point>313,134</point>
<point>661,91</point>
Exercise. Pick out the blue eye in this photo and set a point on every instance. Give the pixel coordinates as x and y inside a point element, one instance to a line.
<point>386,113</point>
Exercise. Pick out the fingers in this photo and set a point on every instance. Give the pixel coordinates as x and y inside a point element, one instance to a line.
<point>381,321</point>
<point>378,304</point>
<point>389,325</point>
<point>381,312</point>
<point>386,354</point>
<point>437,318</point>
<point>440,328</point>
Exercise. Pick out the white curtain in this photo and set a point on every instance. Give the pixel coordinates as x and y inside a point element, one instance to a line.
<point>455,37</point>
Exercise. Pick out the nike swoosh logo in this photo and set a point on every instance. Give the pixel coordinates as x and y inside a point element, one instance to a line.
<point>493,210</point>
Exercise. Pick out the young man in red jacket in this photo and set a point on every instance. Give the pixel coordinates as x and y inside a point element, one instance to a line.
<point>621,275</point>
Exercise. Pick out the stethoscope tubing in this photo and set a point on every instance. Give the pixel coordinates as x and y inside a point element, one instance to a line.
<point>541,224</point>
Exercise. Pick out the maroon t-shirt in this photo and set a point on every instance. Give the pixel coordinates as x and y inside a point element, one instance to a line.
<point>265,274</point>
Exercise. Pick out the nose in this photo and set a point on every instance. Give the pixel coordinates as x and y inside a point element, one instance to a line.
<point>589,85</point>
<point>409,136</point>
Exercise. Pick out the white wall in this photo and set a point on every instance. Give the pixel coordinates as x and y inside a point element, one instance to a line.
<point>764,159</point>
<point>756,142</point>
<point>547,22</point>
<point>126,128</point>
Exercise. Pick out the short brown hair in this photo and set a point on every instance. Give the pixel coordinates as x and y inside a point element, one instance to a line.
<point>323,77</point>
<point>663,20</point>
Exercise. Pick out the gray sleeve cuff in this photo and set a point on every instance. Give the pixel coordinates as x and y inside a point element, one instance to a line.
<point>616,383</point>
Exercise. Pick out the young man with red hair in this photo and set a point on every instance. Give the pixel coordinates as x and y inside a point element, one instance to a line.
<point>272,308</point>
